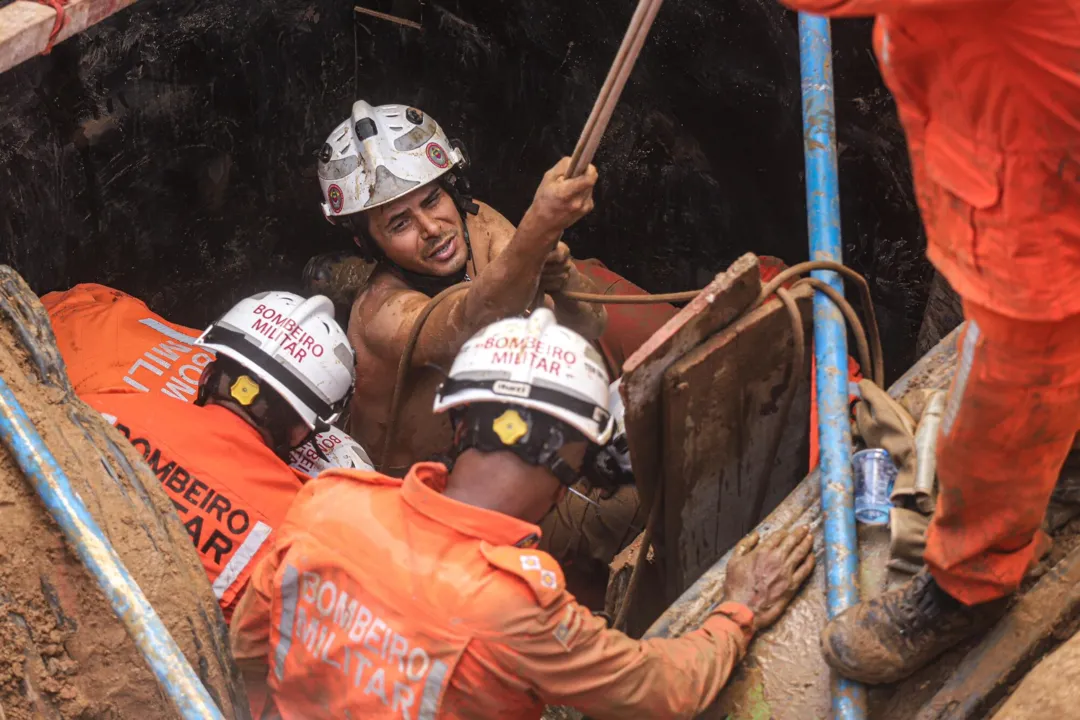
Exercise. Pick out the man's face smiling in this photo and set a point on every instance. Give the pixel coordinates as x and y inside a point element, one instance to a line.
<point>422,231</point>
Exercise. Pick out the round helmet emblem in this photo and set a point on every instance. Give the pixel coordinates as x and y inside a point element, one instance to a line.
<point>437,155</point>
<point>335,197</point>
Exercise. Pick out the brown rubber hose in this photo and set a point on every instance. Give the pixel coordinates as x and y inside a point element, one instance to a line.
<point>871,357</point>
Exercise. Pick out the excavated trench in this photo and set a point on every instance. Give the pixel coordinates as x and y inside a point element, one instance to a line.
<point>169,150</point>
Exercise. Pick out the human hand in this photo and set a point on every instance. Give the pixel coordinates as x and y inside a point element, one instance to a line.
<point>557,269</point>
<point>765,578</point>
<point>561,201</point>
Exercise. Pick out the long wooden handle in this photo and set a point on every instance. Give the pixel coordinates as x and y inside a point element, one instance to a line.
<point>632,42</point>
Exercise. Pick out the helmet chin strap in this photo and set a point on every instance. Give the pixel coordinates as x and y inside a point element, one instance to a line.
<point>476,428</point>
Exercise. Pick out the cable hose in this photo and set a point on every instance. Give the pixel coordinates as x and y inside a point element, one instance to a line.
<point>868,348</point>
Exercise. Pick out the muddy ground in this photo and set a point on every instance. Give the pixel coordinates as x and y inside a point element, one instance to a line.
<point>63,653</point>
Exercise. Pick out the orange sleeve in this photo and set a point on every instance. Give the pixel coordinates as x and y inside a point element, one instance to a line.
<point>249,633</point>
<point>862,8</point>
<point>570,657</point>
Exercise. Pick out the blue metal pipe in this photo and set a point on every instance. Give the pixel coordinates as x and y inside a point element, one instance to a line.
<point>166,661</point>
<point>830,339</point>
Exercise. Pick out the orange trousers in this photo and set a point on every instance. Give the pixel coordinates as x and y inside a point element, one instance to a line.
<point>1012,413</point>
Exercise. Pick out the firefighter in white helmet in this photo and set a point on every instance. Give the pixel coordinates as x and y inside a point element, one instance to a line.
<point>112,342</point>
<point>443,568</point>
<point>281,370</point>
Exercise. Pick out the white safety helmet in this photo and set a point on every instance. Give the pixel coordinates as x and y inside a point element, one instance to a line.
<point>380,154</point>
<point>295,346</point>
<point>338,450</point>
<point>537,364</point>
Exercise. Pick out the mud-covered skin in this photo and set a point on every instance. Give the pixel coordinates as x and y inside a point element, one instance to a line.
<point>420,433</point>
<point>339,276</point>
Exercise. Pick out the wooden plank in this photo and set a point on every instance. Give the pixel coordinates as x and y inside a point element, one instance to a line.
<point>722,407</point>
<point>25,26</point>
<point>724,299</point>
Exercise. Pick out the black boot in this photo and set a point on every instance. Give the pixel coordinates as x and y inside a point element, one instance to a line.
<point>888,638</point>
<point>338,275</point>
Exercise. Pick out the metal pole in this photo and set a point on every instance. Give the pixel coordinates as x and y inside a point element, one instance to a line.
<point>163,656</point>
<point>830,339</point>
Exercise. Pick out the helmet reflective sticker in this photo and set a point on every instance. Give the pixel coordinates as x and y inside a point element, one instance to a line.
<point>437,155</point>
<point>336,198</point>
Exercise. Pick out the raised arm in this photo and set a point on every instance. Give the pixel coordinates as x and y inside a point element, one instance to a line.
<point>558,275</point>
<point>504,288</point>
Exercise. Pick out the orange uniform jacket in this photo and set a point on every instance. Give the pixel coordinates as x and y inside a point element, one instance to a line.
<point>229,488</point>
<point>111,342</point>
<point>383,598</point>
<point>988,92</point>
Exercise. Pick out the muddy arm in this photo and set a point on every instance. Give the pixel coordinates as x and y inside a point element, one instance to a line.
<point>571,658</point>
<point>587,319</point>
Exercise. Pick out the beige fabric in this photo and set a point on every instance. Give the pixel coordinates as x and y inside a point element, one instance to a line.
<point>907,539</point>
<point>578,531</point>
<point>882,422</point>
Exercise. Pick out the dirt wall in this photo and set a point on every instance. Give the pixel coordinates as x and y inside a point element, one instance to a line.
<point>169,150</point>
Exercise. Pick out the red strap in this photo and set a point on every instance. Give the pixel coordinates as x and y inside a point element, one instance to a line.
<point>58,24</point>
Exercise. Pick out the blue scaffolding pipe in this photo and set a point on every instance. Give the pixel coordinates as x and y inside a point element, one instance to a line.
<point>830,339</point>
<point>168,664</point>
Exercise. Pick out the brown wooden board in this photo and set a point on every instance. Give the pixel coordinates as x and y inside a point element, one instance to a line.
<point>724,299</point>
<point>722,406</point>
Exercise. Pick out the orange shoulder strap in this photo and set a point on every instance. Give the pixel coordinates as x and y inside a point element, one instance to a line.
<point>538,569</point>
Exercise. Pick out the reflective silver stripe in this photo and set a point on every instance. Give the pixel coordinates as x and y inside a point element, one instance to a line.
<point>168,331</point>
<point>963,369</point>
<point>429,702</point>
<point>241,558</point>
<point>289,588</point>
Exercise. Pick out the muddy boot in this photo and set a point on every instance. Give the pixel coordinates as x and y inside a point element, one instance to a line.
<point>888,638</point>
<point>338,275</point>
